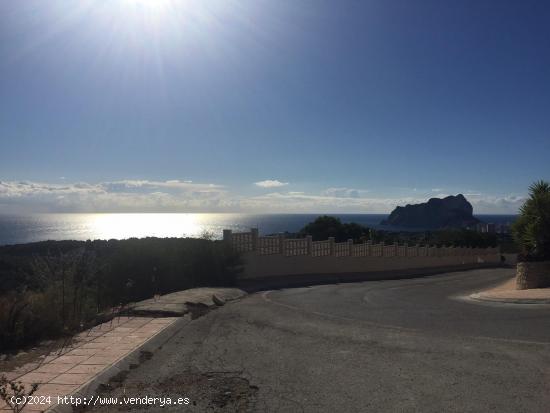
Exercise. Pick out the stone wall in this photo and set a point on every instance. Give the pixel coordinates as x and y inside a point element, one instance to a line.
<point>533,275</point>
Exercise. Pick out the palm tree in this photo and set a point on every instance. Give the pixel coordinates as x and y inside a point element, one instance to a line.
<point>532,229</point>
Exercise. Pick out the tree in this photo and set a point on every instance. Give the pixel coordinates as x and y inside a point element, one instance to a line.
<point>326,226</point>
<point>532,229</point>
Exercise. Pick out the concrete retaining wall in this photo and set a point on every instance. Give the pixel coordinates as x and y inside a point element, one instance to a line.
<point>262,266</point>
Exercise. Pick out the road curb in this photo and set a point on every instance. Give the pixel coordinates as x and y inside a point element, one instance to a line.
<point>530,301</point>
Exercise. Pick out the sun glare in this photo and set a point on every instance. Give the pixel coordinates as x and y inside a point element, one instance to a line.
<point>151,5</point>
<point>120,226</point>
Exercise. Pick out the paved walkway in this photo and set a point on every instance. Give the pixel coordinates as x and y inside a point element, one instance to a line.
<point>88,355</point>
<point>94,351</point>
<point>507,293</point>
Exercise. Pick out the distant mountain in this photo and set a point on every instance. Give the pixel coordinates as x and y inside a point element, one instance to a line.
<point>449,212</point>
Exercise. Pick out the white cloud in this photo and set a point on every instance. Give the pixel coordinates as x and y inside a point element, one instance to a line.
<point>146,186</point>
<point>496,204</point>
<point>186,196</point>
<point>270,183</point>
<point>329,202</point>
<point>342,192</point>
<point>118,196</point>
<point>323,203</point>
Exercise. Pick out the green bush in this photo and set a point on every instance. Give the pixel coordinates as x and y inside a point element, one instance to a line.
<point>532,229</point>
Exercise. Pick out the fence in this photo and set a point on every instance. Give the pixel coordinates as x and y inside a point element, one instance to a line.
<point>279,245</point>
<point>277,256</point>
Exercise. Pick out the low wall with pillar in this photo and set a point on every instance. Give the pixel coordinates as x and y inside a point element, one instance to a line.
<point>279,256</point>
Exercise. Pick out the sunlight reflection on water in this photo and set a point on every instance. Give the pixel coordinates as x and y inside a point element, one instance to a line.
<point>40,227</point>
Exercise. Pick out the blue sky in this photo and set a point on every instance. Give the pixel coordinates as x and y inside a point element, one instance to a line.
<point>271,106</point>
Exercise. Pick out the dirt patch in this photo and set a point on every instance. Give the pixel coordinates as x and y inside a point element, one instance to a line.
<point>213,391</point>
<point>197,309</point>
<point>144,356</point>
<point>207,391</point>
<point>114,383</point>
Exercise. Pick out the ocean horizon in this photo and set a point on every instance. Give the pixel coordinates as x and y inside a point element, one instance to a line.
<point>18,229</point>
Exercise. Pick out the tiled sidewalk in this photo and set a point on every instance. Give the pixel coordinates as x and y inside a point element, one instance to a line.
<point>90,353</point>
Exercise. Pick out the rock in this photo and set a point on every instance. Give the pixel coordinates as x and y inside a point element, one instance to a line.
<point>449,212</point>
<point>218,301</point>
<point>21,354</point>
<point>3,357</point>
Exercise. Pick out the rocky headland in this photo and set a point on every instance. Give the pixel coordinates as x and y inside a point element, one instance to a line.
<point>449,212</point>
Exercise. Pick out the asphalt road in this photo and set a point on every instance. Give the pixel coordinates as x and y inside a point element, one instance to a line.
<point>386,346</point>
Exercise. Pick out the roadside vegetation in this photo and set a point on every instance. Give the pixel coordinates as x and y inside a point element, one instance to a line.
<point>532,228</point>
<point>53,288</point>
<point>327,226</point>
<point>11,390</point>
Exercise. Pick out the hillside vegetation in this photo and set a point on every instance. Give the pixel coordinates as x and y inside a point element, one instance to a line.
<point>58,287</point>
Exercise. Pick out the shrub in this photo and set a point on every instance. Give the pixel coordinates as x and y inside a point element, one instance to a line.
<point>28,316</point>
<point>11,390</point>
<point>532,229</point>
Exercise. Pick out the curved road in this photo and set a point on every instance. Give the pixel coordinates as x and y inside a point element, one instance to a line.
<point>432,305</point>
<point>386,346</point>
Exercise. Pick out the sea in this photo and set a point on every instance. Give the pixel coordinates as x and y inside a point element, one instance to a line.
<point>18,229</point>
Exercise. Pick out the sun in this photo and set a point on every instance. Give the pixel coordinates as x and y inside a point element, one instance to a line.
<point>155,7</point>
<point>149,3</point>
